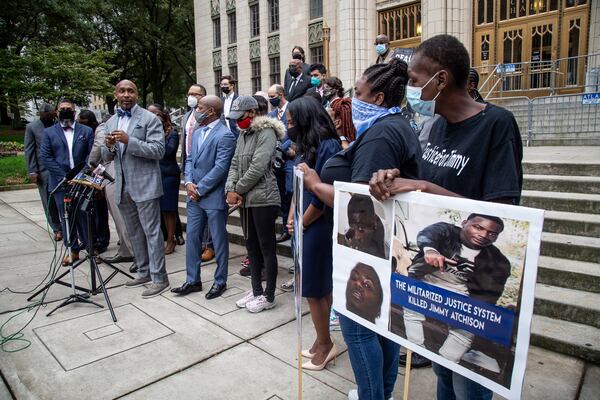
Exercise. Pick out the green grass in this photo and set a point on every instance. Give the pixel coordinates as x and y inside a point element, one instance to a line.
<point>13,171</point>
<point>7,134</point>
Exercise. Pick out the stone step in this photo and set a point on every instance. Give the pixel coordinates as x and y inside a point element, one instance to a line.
<point>578,340</point>
<point>571,274</point>
<point>568,304</point>
<point>562,183</point>
<point>560,201</point>
<point>236,235</point>
<point>580,248</point>
<point>572,223</point>
<point>570,169</point>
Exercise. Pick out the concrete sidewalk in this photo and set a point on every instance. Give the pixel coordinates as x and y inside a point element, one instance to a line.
<point>172,347</point>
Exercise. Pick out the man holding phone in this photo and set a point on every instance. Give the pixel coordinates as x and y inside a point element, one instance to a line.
<point>206,168</point>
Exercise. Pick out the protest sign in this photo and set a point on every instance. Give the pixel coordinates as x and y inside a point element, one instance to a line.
<point>452,279</point>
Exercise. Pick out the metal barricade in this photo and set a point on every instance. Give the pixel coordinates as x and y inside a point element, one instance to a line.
<point>563,117</point>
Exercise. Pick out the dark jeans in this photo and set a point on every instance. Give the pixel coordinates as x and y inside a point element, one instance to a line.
<point>374,360</point>
<point>259,226</point>
<point>101,229</point>
<point>452,386</point>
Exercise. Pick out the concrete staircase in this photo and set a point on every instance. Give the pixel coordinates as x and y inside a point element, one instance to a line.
<point>567,304</point>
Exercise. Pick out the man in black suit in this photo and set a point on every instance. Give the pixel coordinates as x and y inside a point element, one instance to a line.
<point>298,82</point>
<point>318,72</point>
<point>38,174</point>
<point>229,95</point>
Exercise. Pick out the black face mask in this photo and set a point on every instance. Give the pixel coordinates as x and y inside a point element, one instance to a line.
<point>66,115</point>
<point>47,121</point>
<point>275,101</point>
<point>293,133</point>
<point>225,90</point>
<point>293,72</point>
<point>297,56</point>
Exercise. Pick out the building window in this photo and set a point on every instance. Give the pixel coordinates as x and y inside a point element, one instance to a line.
<point>485,11</point>
<point>316,54</point>
<point>256,84</point>
<point>233,71</point>
<point>218,75</point>
<point>254,20</point>
<point>275,70</point>
<point>510,9</point>
<point>273,15</point>
<point>216,32</point>
<point>232,28</point>
<point>401,23</point>
<point>316,9</point>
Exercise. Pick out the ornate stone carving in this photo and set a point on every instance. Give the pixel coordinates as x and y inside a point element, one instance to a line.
<point>255,50</point>
<point>217,59</point>
<point>230,5</point>
<point>232,55</point>
<point>315,33</point>
<point>273,44</point>
<point>214,8</point>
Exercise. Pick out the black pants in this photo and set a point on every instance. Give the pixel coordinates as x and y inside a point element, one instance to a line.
<point>259,226</point>
<point>101,229</point>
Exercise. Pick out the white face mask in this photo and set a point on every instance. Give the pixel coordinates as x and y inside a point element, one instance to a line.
<point>192,101</point>
<point>423,107</point>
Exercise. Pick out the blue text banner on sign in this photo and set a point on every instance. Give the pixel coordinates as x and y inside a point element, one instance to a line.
<point>590,98</point>
<point>459,311</point>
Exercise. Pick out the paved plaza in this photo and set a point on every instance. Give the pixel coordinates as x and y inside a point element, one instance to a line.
<point>171,347</point>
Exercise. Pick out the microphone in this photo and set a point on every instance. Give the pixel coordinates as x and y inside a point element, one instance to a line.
<point>99,169</point>
<point>72,173</point>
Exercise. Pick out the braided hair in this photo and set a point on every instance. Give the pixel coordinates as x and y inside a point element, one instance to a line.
<point>390,79</point>
<point>342,110</point>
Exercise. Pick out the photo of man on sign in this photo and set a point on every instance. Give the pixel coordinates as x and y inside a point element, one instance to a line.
<point>446,299</point>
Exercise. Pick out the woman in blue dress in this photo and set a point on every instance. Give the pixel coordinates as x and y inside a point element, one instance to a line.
<point>313,132</point>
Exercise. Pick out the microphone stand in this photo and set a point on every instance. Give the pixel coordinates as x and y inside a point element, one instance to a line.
<point>75,297</point>
<point>87,207</point>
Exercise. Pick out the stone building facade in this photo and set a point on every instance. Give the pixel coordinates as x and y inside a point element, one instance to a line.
<point>252,39</point>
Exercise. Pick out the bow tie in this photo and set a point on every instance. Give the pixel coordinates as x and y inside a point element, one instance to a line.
<point>123,113</point>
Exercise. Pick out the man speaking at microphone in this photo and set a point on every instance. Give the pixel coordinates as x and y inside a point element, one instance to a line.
<point>65,145</point>
<point>135,140</point>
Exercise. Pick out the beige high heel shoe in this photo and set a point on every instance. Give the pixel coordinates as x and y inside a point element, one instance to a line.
<point>332,355</point>
<point>307,354</point>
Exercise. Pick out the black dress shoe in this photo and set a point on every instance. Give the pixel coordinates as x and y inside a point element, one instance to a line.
<point>187,288</point>
<point>117,258</point>
<point>416,361</point>
<point>283,237</point>
<point>180,240</point>
<point>133,269</point>
<point>216,291</point>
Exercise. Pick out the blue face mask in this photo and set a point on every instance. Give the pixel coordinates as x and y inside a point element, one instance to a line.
<point>315,81</point>
<point>423,107</point>
<point>366,114</point>
<point>380,49</point>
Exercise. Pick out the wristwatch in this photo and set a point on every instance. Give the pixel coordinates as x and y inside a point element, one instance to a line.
<point>343,138</point>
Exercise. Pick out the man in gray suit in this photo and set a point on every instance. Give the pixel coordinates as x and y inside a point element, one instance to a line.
<point>136,143</point>
<point>38,174</point>
<point>124,250</point>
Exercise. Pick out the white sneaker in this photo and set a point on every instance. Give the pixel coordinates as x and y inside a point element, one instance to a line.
<point>241,303</point>
<point>259,303</point>
<point>353,395</point>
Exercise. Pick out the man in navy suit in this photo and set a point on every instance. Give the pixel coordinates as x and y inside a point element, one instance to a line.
<point>296,81</point>
<point>206,171</point>
<point>284,174</point>
<point>66,144</point>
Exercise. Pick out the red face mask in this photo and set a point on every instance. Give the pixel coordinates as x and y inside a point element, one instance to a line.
<point>244,123</point>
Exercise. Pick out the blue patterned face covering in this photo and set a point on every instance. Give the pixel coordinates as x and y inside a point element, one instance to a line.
<point>365,114</point>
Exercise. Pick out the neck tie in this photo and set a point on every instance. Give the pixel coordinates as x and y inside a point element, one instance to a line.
<point>201,133</point>
<point>279,114</point>
<point>123,113</point>
<point>190,134</point>
<point>293,85</point>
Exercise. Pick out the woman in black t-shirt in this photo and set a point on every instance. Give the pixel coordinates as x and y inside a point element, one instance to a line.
<point>474,151</point>
<point>384,138</point>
